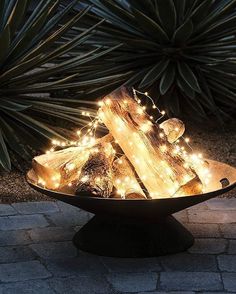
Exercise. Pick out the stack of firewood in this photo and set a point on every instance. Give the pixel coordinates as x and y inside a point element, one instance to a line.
<point>150,165</point>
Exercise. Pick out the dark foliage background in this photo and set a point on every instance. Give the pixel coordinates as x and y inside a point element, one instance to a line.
<point>182,51</point>
<point>36,74</point>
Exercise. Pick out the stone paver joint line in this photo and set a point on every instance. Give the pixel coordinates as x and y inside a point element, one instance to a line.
<point>37,254</point>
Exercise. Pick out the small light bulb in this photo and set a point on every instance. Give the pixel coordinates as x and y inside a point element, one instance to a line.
<point>108,101</point>
<point>187,140</point>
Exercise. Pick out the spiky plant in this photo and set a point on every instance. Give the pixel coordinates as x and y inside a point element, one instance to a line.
<point>184,51</point>
<point>34,62</point>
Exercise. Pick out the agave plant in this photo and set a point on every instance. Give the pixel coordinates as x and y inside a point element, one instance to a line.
<point>183,51</point>
<point>34,62</point>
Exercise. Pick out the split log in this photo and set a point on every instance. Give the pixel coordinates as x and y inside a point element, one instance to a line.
<point>96,174</point>
<point>193,187</point>
<point>57,169</point>
<point>173,129</point>
<point>124,180</point>
<point>160,168</point>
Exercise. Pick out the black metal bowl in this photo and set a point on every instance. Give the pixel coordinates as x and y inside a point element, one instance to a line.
<point>146,208</point>
<point>139,228</point>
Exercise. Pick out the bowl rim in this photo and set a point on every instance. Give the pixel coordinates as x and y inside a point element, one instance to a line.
<point>84,197</point>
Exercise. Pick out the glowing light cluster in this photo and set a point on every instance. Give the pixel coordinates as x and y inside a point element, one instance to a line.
<point>86,137</point>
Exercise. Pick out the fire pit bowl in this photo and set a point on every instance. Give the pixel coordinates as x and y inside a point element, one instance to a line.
<point>139,228</point>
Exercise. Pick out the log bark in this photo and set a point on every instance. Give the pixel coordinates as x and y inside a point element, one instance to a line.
<point>161,170</point>
<point>124,180</point>
<point>57,169</point>
<point>96,174</point>
<point>173,129</point>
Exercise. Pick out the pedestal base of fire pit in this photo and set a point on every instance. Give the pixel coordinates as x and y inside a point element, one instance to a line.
<point>122,238</point>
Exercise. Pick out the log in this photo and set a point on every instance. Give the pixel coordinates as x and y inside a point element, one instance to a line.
<point>173,129</point>
<point>57,169</point>
<point>160,168</point>
<point>96,174</point>
<point>193,187</point>
<point>124,180</point>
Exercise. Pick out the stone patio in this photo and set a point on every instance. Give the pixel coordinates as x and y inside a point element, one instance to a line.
<point>37,255</point>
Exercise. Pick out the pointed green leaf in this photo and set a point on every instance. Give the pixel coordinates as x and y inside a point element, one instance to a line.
<point>11,105</point>
<point>154,73</point>
<point>150,26</point>
<point>180,8</point>
<point>167,15</point>
<point>4,43</point>
<point>13,140</point>
<point>5,161</point>
<point>201,11</point>
<point>183,33</point>
<point>167,79</point>
<point>17,15</point>
<point>188,76</point>
<point>185,88</point>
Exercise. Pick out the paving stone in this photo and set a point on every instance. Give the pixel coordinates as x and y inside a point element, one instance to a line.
<point>209,246</point>
<point>222,204</point>
<point>81,265</point>
<point>55,250</point>
<point>15,254</point>
<point>19,237</point>
<point>204,230</point>
<point>221,292</point>
<point>181,216</point>
<point>27,287</point>
<point>36,207</point>
<point>133,282</point>
<point>229,281</point>
<point>18,222</point>
<point>22,271</point>
<point>6,209</point>
<point>169,292</point>
<point>51,234</point>
<point>81,285</point>
<point>129,265</point>
<point>195,281</point>
<point>189,262</point>
<point>200,206</point>
<point>209,216</point>
<point>227,263</point>
<point>69,218</point>
<point>64,207</point>
<point>228,231</point>
<point>232,247</point>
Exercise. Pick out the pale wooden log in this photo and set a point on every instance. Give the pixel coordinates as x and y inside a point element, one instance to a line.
<point>173,129</point>
<point>160,168</point>
<point>57,169</point>
<point>96,174</point>
<point>124,180</point>
<point>193,187</point>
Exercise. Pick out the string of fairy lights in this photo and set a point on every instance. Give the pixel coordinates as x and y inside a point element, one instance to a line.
<point>87,139</point>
